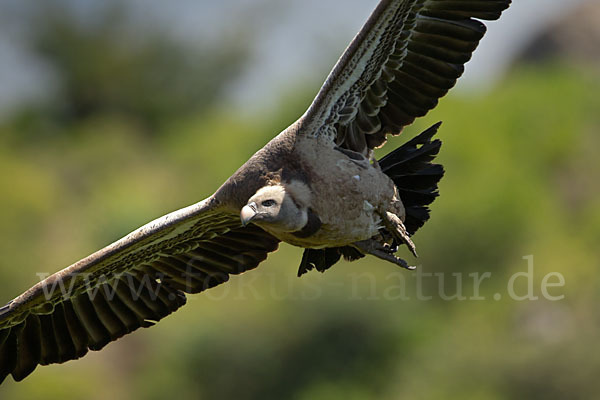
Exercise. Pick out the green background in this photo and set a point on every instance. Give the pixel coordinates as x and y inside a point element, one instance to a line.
<point>107,154</point>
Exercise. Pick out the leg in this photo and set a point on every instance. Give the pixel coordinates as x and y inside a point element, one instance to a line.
<point>398,231</point>
<point>382,251</point>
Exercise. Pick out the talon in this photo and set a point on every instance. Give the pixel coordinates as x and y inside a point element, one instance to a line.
<point>402,263</point>
<point>390,248</point>
<point>381,251</point>
<point>397,229</point>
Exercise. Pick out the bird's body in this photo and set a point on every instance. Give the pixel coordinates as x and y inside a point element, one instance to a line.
<point>316,185</point>
<point>318,173</point>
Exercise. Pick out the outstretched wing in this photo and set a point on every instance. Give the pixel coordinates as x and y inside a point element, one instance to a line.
<point>129,284</point>
<point>408,55</point>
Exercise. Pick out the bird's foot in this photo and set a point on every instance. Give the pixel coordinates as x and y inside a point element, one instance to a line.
<point>398,231</point>
<point>390,248</point>
<point>383,251</point>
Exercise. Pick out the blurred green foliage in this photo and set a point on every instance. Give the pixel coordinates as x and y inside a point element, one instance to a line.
<point>113,64</point>
<point>522,179</point>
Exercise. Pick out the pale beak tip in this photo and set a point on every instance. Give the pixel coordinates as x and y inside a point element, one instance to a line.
<point>247,215</point>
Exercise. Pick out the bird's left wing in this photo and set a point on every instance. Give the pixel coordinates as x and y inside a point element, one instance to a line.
<point>131,283</point>
<point>408,55</point>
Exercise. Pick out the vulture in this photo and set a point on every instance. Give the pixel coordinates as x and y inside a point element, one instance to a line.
<point>316,185</point>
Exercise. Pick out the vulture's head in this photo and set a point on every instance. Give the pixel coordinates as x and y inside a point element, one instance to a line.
<point>279,208</point>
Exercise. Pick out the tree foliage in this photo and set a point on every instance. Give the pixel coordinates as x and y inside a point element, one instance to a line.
<point>108,63</point>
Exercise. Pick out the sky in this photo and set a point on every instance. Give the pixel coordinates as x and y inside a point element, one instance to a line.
<point>296,41</point>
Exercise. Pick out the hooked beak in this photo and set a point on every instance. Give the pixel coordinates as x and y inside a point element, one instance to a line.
<point>248,213</point>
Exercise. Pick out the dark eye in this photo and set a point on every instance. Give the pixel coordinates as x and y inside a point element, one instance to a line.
<point>268,203</point>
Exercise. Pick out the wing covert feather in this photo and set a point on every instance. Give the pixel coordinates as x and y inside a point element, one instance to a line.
<point>129,284</point>
<point>407,55</point>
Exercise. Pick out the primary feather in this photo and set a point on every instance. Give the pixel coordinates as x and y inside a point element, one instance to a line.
<point>407,55</point>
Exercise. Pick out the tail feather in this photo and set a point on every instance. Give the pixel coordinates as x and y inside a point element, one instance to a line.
<point>424,179</point>
<point>413,155</point>
<point>415,176</point>
<point>323,259</point>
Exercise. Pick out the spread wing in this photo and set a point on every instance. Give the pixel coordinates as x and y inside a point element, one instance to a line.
<point>408,55</point>
<point>129,284</point>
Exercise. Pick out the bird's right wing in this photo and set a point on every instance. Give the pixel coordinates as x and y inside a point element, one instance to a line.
<point>129,284</point>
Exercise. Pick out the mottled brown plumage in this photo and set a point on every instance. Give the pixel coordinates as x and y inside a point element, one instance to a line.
<point>315,185</point>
